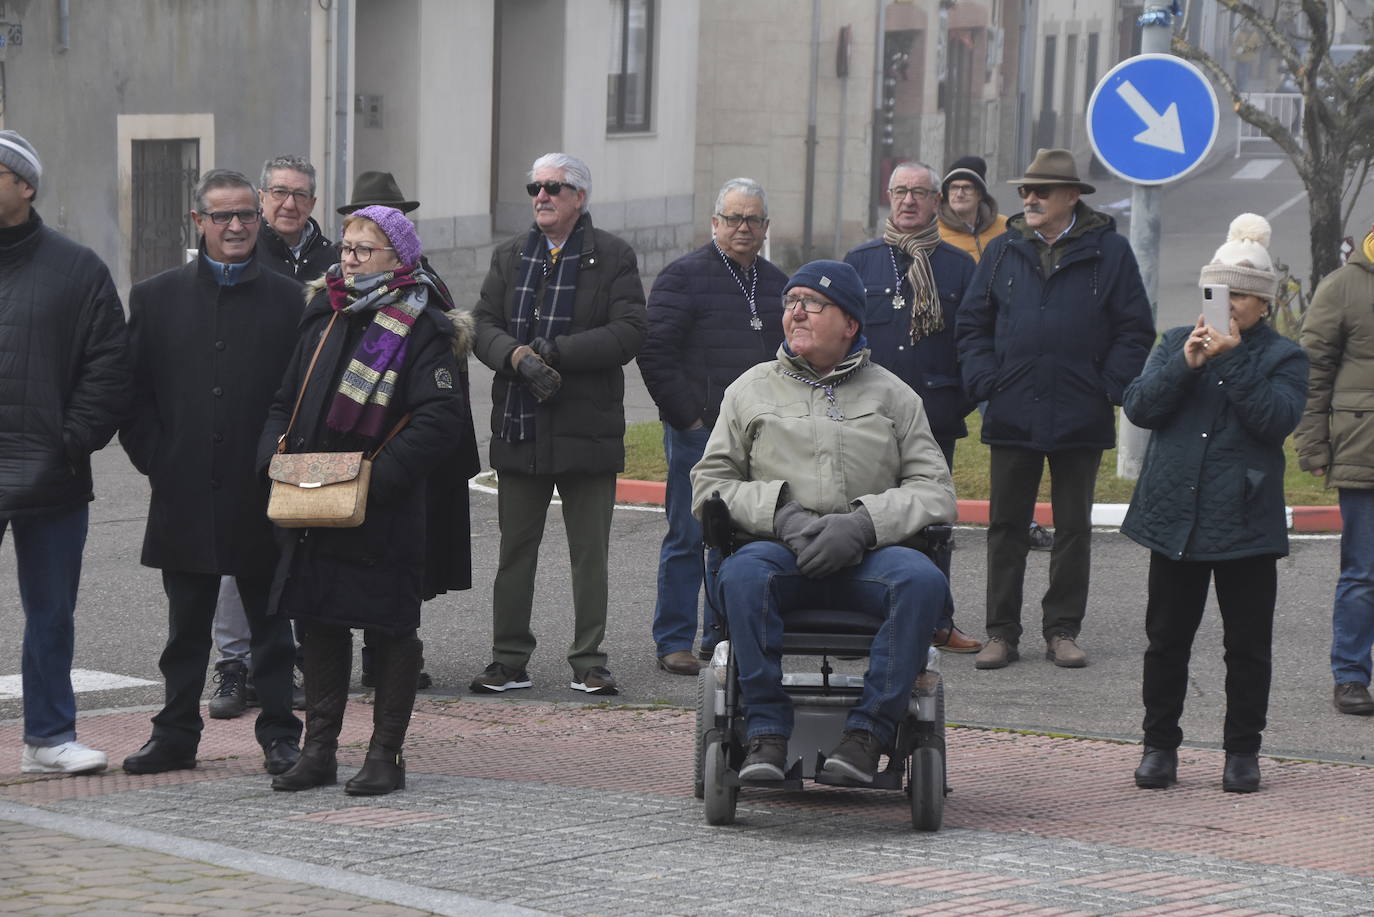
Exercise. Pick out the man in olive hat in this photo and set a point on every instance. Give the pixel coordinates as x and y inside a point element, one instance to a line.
<point>1053,327</point>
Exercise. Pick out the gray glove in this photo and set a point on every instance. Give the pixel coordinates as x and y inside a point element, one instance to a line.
<point>836,541</point>
<point>542,379</point>
<point>788,522</point>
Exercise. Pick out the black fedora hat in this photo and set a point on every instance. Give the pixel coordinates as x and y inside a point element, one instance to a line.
<point>377,188</point>
<point>1053,167</point>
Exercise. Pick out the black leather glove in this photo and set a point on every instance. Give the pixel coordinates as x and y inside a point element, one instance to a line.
<point>788,522</point>
<point>836,541</point>
<point>547,350</point>
<point>542,379</point>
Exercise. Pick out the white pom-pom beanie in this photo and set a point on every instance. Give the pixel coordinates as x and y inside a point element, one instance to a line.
<point>1243,262</point>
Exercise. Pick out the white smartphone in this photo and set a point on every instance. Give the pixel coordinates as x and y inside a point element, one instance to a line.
<point>1216,306</point>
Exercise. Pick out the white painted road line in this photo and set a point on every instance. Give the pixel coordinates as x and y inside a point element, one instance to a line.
<point>83,680</point>
<point>1256,169</point>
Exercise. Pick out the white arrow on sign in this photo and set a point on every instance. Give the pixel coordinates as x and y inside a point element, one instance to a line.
<point>1162,131</point>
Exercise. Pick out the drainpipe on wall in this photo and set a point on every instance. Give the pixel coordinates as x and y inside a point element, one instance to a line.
<point>64,18</point>
<point>808,204</point>
<point>343,97</point>
<point>875,185</point>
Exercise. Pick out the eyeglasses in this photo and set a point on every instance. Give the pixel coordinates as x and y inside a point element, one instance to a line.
<point>962,187</point>
<point>1041,192</point>
<point>734,219</point>
<point>281,194</point>
<point>225,217</point>
<point>361,252</point>
<point>919,194</point>
<point>553,188</point>
<point>790,303</point>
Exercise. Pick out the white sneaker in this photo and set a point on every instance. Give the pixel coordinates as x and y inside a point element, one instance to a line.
<point>67,758</point>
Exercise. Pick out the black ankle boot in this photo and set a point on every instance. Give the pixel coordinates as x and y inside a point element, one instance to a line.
<point>317,767</point>
<point>1241,774</point>
<point>1158,768</point>
<point>384,771</point>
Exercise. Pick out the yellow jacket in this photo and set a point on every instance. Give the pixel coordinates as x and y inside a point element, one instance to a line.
<point>956,232</point>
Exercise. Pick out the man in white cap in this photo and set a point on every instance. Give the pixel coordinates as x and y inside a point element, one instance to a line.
<point>65,385</point>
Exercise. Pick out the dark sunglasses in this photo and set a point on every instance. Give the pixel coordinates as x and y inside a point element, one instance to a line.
<point>1042,192</point>
<point>554,188</point>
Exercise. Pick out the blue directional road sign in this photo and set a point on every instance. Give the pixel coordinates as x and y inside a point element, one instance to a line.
<point>1152,118</point>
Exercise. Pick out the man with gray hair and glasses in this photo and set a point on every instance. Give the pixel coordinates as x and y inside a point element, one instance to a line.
<point>561,311</point>
<point>210,342</point>
<point>290,241</point>
<point>712,314</point>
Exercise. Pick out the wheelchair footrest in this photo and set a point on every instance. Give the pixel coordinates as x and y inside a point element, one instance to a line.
<point>889,778</point>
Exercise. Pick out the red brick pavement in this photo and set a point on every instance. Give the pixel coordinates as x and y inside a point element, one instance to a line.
<point>1308,815</point>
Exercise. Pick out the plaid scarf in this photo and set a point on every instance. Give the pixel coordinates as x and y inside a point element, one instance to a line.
<point>926,316</point>
<point>543,308</point>
<point>396,298</point>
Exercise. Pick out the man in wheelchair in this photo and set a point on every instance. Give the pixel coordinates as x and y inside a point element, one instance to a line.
<point>829,469</point>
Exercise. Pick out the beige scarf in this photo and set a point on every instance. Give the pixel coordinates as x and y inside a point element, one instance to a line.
<point>927,317</point>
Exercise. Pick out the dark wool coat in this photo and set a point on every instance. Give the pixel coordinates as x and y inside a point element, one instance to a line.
<point>64,377</point>
<point>207,360</point>
<point>581,429</point>
<point>700,339</point>
<point>374,575</point>
<point>1211,487</point>
<point>931,365</point>
<point>1052,350</point>
<point>316,257</point>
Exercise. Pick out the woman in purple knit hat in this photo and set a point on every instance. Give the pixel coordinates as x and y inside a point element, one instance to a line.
<point>386,376</point>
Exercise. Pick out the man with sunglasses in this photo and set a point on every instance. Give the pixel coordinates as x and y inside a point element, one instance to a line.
<point>561,311</point>
<point>829,470</point>
<point>290,241</point>
<point>915,282</point>
<point>712,314</point>
<point>210,342</point>
<point>1053,327</point>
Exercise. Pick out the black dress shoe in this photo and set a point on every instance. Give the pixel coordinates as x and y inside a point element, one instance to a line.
<point>1241,774</point>
<point>280,756</point>
<point>159,756</point>
<point>1158,768</point>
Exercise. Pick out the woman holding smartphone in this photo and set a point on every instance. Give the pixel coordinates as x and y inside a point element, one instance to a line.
<point>1219,400</point>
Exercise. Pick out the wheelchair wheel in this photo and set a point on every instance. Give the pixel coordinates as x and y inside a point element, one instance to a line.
<point>927,788</point>
<point>705,715</point>
<point>720,799</point>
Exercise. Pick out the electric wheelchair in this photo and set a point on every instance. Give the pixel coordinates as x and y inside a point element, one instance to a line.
<point>820,701</point>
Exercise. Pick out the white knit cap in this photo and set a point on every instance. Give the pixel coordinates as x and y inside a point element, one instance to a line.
<point>1243,262</point>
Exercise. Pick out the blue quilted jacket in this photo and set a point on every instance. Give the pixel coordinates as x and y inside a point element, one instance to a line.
<point>1212,484</point>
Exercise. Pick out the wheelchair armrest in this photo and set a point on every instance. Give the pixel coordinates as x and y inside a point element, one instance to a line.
<point>938,534</point>
<point>717,531</point>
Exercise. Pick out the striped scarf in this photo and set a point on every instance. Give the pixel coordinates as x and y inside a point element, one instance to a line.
<point>543,308</point>
<point>396,298</point>
<point>927,318</point>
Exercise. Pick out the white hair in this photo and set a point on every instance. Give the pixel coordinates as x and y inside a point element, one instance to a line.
<point>933,176</point>
<point>743,186</point>
<point>575,172</point>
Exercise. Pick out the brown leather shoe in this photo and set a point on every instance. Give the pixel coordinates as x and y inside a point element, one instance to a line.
<point>998,654</point>
<point>680,663</point>
<point>1353,697</point>
<point>1063,651</point>
<point>953,640</point>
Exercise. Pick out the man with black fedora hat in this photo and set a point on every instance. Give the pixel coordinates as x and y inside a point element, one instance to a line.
<point>1054,325</point>
<point>374,187</point>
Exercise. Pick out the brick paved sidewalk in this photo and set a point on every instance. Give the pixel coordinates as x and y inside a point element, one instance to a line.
<point>588,809</point>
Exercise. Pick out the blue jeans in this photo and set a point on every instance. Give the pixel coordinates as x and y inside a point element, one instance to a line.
<point>1352,620</point>
<point>679,560</point>
<point>48,547</point>
<point>760,583</point>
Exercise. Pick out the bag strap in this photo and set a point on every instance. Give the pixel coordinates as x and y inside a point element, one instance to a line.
<point>281,440</point>
<point>394,430</point>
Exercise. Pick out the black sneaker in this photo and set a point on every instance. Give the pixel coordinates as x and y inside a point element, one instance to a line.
<point>596,680</point>
<point>496,678</point>
<point>766,759</point>
<point>231,691</point>
<point>856,757</point>
<point>1041,538</point>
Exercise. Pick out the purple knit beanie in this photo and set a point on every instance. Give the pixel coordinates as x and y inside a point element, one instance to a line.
<point>398,230</point>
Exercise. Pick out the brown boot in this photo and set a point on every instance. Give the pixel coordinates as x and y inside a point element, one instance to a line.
<point>398,664</point>
<point>327,666</point>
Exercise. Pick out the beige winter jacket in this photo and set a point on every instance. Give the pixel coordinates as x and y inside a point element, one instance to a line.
<point>775,430</point>
<point>1337,427</point>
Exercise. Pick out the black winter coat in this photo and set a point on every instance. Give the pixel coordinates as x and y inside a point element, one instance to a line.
<point>375,575</point>
<point>1052,355</point>
<point>1211,487</point>
<point>207,360</point>
<point>931,365</point>
<point>581,429</point>
<point>318,256</point>
<point>64,376</point>
<point>700,339</point>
